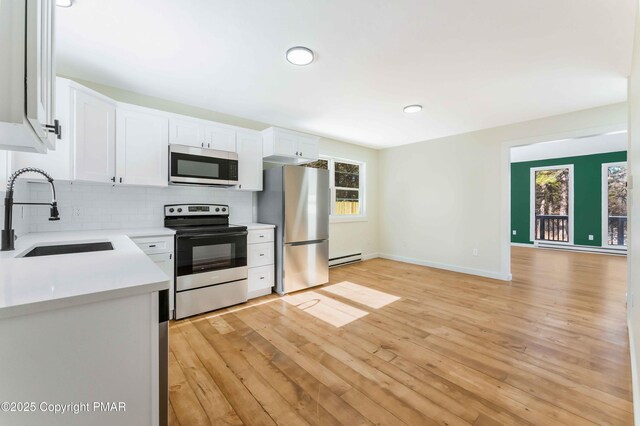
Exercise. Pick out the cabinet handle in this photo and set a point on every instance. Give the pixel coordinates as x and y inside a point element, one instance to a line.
<point>261,236</point>
<point>54,128</point>
<point>113,179</point>
<point>261,254</point>
<point>297,153</point>
<point>120,180</point>
<point>170,256</point>
<point>262,278</point>
<point>152,245</point>
<point>300,153</point>
<point>208,145</point>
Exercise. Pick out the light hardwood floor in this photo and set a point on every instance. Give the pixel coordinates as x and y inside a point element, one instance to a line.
<point>392,343</point>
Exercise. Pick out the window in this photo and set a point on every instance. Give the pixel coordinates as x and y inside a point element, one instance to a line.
<point>347,186</point>
<point>614,205</point>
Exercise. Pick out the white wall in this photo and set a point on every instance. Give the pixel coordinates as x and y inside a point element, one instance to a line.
<point>633,243</point>
<point>360,236</point>
<point>441,199</point>
<point>571,147</point>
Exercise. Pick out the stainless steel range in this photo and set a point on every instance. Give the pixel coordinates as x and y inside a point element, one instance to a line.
<point>211,258</point>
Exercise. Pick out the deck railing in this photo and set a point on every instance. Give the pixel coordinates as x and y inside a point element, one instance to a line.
<point>617,230</point>
<point>552,228</point>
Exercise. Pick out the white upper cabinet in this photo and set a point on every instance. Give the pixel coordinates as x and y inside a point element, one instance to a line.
<point>201,134</point>
<point>184,131</point>
<point>249,145</point>
<point>289,147</point>
<point>94,137</point>
<point>308,147</point>
<point>27,75</point>
<point>142,140</point>
<point>221,138</point>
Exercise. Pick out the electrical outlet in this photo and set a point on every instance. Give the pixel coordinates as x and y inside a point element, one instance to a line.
<point>76,212</point>
<point>475,251</point>
<point>513,232</point>
<point>590,237</point>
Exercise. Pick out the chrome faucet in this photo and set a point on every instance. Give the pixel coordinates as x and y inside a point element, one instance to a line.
<point>8,235</point>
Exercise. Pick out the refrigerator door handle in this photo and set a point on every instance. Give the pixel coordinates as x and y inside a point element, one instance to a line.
<point>304,243</point>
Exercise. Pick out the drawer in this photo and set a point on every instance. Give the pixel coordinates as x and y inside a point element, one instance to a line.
<point>193,302</point>
<point>152,245</point>
<point>261,278</point>
<point>260,254</point>
<point>260,236</point>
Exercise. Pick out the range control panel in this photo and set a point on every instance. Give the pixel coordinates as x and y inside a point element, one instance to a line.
<point>196,210</point>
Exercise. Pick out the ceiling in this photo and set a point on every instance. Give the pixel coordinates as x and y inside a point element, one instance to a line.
<point>471,64</point>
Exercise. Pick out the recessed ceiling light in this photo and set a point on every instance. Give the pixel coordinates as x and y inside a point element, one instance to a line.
<point>300,55</point>
<point>64,3</point>
<point>410,109</point>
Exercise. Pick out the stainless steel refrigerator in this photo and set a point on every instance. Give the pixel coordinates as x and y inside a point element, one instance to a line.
<point>296,200</point>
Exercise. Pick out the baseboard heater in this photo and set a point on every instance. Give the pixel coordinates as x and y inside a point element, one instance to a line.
<point>344,260</point>
<point>589,249</point>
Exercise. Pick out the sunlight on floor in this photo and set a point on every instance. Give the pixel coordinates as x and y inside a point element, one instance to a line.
<point>325,308</point>
<point>364,295</point>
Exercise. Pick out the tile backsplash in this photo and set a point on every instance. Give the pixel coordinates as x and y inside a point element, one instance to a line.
<point>86,206</point>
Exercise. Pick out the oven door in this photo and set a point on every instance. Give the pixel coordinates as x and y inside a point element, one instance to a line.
<point>209,259</point>
<point>189,165</point>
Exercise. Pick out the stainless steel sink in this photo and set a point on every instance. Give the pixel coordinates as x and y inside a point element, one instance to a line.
<point>57,249</point>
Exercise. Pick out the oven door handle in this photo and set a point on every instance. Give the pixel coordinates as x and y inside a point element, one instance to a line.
<point>213,235</point>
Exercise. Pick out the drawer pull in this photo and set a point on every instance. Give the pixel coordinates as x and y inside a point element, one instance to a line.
<point>261,236</point>
<point>262,278</point>
<point>261,254</point>
<point>151,245</point>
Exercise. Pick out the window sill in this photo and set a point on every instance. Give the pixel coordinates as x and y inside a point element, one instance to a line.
<point>346,219</point>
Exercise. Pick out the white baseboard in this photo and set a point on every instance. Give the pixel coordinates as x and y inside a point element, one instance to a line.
<point>634,372</point>
<point>370,256</point>
<point>523,245</point>
<point>445,266</point>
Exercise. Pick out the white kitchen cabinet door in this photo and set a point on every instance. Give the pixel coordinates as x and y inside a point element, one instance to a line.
<point>308,147</point>
<point>221,138</point>
<point>183,131</point>
<point>40,74</point>
<point>286,143</point>
<point>249,145</point>
<point>142,143</point>
<point>94,128</point>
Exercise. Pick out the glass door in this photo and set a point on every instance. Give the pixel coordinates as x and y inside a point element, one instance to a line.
<point>614,205</point>
<point>552,204</point>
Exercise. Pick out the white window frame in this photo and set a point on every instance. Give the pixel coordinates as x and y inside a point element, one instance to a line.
<point>334,217</point>
<point>532,204</point>
<point>605,204</point>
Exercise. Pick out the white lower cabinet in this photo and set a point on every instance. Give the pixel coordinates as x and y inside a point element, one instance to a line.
<point>260,260</point>
<point>160,250</point>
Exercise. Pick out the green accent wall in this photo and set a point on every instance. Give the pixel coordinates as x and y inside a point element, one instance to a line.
<point>587,198</point>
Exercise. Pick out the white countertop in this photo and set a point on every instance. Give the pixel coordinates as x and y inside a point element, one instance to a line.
<point>251,226</point>
<point>34,284</point>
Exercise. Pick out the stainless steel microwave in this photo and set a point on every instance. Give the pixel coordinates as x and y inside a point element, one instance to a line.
<point>189,165</point>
